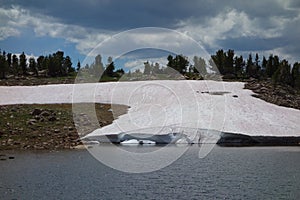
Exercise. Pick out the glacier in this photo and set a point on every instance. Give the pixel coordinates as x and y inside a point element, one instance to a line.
<point>196,105</point>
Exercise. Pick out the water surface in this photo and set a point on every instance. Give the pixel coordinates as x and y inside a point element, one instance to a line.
<point>226,173</point>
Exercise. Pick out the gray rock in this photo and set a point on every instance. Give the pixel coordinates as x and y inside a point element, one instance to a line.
<point>32,122</point>
<point>56,131</point>
<point>52,119</point>
<point>36,112</point>
<point>45,114</point>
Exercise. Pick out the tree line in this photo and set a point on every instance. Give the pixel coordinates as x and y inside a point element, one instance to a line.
<point>279,71</point>
<point>229,65</point>
<point>53,65</point>
<point>233,67</point>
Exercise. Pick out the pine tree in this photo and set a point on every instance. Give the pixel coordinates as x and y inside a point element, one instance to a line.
<point>296,75</point>
<point>78,66</point>
<point>219,60</point>
<point>282,74</point>
<point>238,66</point>
<point>229,60</point>
<point>15,65</point>
<point>264,65</point>
<point>147,68</point>
<point>33,66</point>
<point>3,67</point>
<point>250,67</point>
<point>41,65</point>
<point>9,63</point>
<point>23,63</point>
<point>199,66</point>
<point>67,66</point>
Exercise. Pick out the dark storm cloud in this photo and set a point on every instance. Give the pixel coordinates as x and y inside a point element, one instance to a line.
<point>253,43</point>
<point>116,14</point>
<point>256,25</point>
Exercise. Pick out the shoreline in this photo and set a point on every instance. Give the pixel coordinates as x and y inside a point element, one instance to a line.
<point>49,126</point>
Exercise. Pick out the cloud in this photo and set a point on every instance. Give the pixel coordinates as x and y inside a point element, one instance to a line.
<point>245,33</point>
<point>139,63</point>
<point>228,24</point>
<point>16,18</point>
<point>260,26</point>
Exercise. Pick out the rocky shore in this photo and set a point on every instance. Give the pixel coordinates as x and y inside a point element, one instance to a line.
<point>241,140</point>
<point>50,127</point>
<point>277,94</point>
<point>32,80</point>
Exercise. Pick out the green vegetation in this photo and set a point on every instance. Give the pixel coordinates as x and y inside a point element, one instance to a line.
<point>229,65</point>
<point>51,126</point>
<point>235,67</point>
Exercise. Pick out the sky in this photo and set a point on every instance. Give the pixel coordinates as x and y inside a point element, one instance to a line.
<point>79,27</point>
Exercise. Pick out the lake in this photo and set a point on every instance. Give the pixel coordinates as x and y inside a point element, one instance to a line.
<point>226,173</point>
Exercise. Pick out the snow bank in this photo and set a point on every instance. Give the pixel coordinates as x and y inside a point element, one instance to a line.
<point>223,106</point>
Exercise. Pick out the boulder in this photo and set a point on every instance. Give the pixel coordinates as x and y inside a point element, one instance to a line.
<point>36,112</point>
<point>45,113</point>
<point>32,122</point>
<point>52,118</point>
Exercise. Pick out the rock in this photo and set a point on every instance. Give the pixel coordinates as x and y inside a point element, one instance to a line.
<point>282,93</point>
<point>52,118</point>
<point>45,114</point>
<point>9,141</point>
<point>56,131</point>
<point>37,117</point>
<point>36,112</point>
<point>235,96</point>
<point>32,122</point>
<point>263,89</point>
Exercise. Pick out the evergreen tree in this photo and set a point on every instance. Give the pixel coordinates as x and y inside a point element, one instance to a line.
<point>41,64</point>
<point>296,75</point>
<point>282,74</point>
<point>59,67</point>
<point>97,68</point>
<point>229,60</point>
<point>250,67</point>
<point>239,66</point>
<point>67,66</point>
<point>179,63</point>
<point>270,66</point>
<point>15,65</point>
<point>147,68</point>
<point>23,63</point>
<point>199,66</point>
<point>257,66</point>
<point>156,69</point>
<point>9,63</point>
<point>120,72</point>
<point>219,60</point>
<point>78,66</point>
<point>33,66</point>
<point>3,67</point>
<point>264,65</point>
<point>51,65</point>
